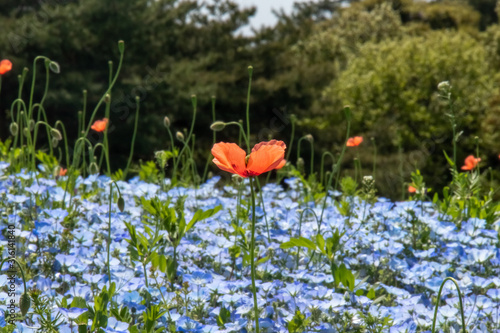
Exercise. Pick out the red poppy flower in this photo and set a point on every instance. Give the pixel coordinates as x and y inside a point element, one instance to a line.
<point>353,142</point>
<point>412,189</point>
<point>470,162</point>
<point>5,66</point>
<point>62,172</point>
<point>100,125</point>
<point>265,156</point>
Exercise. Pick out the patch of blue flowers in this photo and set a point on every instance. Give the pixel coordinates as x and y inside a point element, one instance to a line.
<point>400,254</point>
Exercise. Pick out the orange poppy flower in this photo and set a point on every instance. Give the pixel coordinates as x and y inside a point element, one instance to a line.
<point>100,125</point>
<point>353,142</point>
<point>470,162</point>
<point>412,189</point>
<point>62,171</point>
<point>5,66</point>
<point>265,156</point>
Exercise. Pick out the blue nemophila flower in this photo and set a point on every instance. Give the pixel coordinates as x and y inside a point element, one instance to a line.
<point>198,278</point>
<point>115,326</point>
<point>186,324</point>
<point>72,313</point>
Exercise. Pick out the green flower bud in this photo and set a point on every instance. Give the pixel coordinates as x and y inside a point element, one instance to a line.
<point>14,129</point>
<point>31,125</point>
<point>56,134</point>
<point>121,46</point>
<point>54,142</point>
<point>218,126</point>
<point>26,132</point>
<point>93,168</point>
<point>309,138</point>
<point>54,67</point>
<point>121,204</point>
<point>179,136</point>
<point>166,122</point>
<point>24,303</point>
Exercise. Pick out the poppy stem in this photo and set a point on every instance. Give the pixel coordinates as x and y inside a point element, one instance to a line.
<point>250,72</point>
<point>439,298</point>
<point>133,138</point>
<point>252,258</point>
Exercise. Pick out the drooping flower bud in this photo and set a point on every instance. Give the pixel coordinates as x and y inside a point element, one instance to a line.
<point>56,134</point>
<point>217,126</point>
<point>31,125</point>
<point>93,168</point>
<point>179,136</point>
<point>309,138</point>
<point>14,128</point>
<point>121,204</point>
<point>24,303</point>
<point>166,122</point>
<point>54,142</point>
<point>54,67</point>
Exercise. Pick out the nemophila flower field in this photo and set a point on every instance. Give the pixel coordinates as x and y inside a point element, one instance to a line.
<point>270,248</point>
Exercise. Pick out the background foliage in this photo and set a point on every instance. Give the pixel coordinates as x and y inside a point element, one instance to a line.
<point>384,58</point>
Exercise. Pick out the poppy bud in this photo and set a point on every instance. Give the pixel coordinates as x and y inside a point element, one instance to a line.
<point>121,46</point>
<point>54,67</point>
<point>31,125</point>
<point>166,122</point>
<point>14,129</point>
<point>217,126</point>
<point>56,134</point>
<point>121,204</point>
<point>309,138</point>
<point>24,303</point>
<point>54,142</point>
<point>93,168</point>
<point>179,136</point>
<point>26,132</point>
<point>300,165</point>
<point>250,70</point>
<point>194,101</point>
<point>107,98</point>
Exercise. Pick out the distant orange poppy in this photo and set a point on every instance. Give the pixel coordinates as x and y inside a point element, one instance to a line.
<point>470,162</point>
<point>62,172</point>
<point>412,189</point>
<point>265,156</point>
<point>353,142</point>
<point>100,125</point>
<point>5,66</point>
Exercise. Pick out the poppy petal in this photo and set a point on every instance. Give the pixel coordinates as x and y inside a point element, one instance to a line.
<point>269,143</point>
<point>265,157</point>
<point>229,157</point>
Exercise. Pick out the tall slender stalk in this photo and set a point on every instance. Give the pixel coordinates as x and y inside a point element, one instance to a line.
<point>459,300</point>
<point>252,259</point>
<point>133,138</point>
<point>250,72</point>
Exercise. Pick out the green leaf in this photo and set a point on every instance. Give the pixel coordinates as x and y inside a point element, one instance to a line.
<point>262,260</point>
<point>301,241</point>
<point>320,241</point>
<point>201,215</point>
<point>371,294</point>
